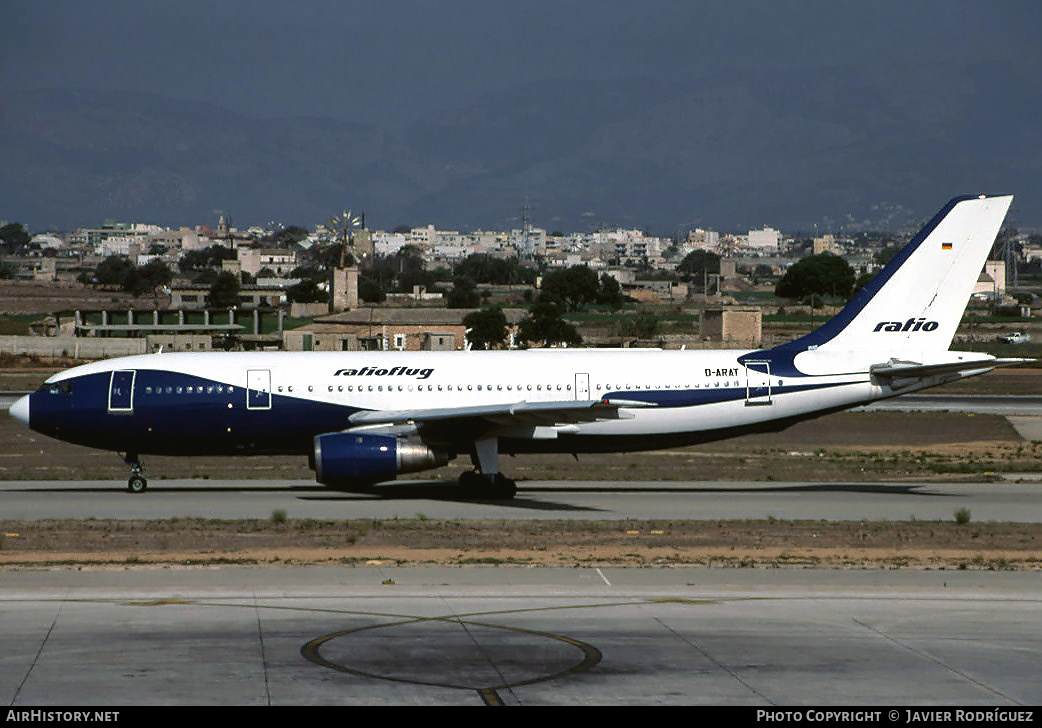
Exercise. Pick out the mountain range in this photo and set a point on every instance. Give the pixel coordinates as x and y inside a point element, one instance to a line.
<point>820,149</point>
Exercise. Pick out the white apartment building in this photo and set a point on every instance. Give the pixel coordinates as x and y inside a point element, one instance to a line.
<point>764,242</point>
<point>529,241</point>
<point>699,239</point>
<point>387,243</point>
<point>48,241</point>
<point>280,261</point>
<point>627,245</point>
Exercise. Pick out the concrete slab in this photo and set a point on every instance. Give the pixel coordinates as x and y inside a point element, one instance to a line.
<point>387,636</point>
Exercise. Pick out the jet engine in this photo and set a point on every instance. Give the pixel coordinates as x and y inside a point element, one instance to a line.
<point>344,457</point>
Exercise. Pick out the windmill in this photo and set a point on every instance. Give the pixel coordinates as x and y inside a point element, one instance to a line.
<point>343,287</point>
<point>342,227</point>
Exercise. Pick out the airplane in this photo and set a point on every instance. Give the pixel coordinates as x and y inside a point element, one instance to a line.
<point>364,417</point>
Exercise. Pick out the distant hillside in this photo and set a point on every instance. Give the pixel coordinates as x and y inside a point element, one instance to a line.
<point>880,147</point>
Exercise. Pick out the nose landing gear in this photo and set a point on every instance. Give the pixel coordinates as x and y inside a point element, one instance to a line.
<point>137,482</point>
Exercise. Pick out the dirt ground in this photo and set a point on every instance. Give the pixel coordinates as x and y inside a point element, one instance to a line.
<point>178,543</point>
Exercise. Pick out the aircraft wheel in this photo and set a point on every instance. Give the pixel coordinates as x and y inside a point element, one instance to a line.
<point>471,484</point>
<point>137,484</point>
<point>504,487</point>
<point>477,485</point>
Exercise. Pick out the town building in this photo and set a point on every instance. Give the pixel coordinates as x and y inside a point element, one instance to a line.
<point>388,329</point>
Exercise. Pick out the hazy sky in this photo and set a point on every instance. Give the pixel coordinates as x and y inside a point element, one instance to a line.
<point>393,63</point>
<point>387,61</point>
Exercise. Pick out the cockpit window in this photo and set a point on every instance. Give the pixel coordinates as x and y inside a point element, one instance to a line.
<point>55,388</point>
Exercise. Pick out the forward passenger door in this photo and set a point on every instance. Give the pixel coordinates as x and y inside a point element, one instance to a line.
<point>258,389</point>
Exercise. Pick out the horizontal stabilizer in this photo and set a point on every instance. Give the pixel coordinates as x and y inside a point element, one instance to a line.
<point>914,370</point>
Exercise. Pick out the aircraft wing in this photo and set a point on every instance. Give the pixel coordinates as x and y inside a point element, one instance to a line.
<point>522,414</point>
<point>914,370</point>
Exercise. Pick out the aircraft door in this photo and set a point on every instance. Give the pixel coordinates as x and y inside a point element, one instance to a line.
<point>121,392</point>
<point>757,383</point>
<point>582,386</point>
<point>258,389</point>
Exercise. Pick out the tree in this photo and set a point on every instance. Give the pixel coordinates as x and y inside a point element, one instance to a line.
<point>484,268</point>
<point>370,290</point>
<point>148,278</point>
<point>224,293</point>
<point>609,293</point>
<point>545,326</point>
<point>14,235</point>
<point>573,287</point>
<point>211,257</point>
<point>698,265</point>
<point>824,274</point>
<point>464,293</point>
<point>400,271</point>
<point>307,291</point>
<point>487,328</point>
<point>289,236</point>
<point>112,271</point>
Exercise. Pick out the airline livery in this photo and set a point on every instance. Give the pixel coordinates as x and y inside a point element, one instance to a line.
<point>364,417</point>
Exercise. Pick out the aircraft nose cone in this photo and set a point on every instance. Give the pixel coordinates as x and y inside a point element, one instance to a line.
<point>20,410</point>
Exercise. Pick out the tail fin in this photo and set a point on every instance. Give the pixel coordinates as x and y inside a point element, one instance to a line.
<point>917,301</point>
<point>919,298</point>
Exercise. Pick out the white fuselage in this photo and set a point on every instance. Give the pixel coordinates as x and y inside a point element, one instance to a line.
<point>672,392</point>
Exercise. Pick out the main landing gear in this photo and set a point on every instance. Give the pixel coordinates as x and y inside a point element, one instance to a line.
<point>136,483</point>
<point>487,481</point>
<point>479,485</point>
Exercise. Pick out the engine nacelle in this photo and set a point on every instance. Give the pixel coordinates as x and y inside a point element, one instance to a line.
<point>356,457</point>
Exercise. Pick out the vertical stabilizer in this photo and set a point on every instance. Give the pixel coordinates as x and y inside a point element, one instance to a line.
<point>918,299</point>
<point>916,302</point>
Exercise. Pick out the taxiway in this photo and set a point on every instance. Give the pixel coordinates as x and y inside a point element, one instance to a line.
<point>234,499</point>
<point>505,636</point>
